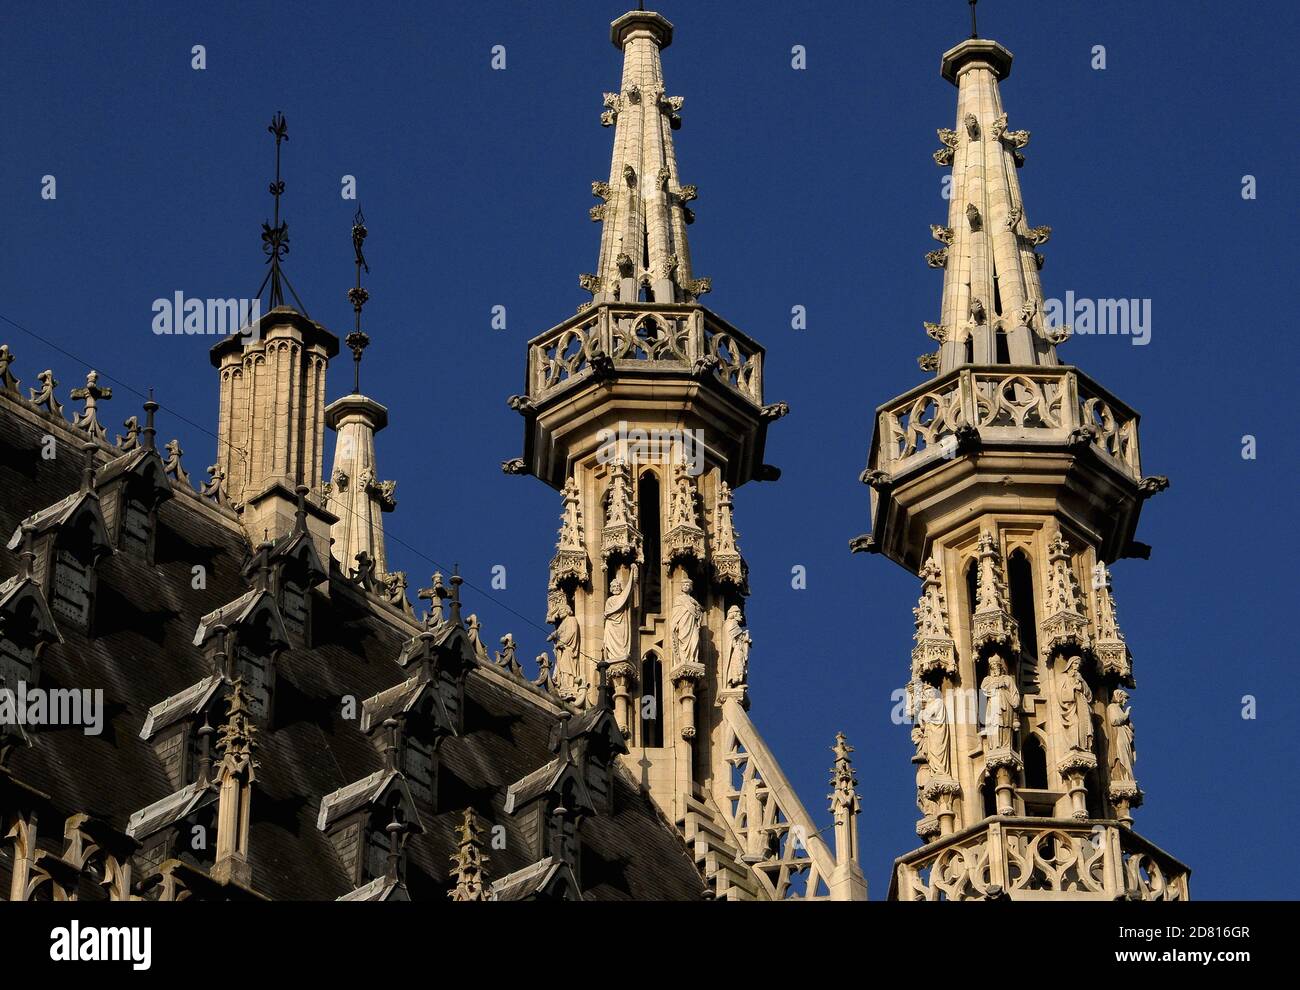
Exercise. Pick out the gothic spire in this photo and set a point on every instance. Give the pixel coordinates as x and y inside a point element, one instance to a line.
<point>468,863</point>
<point>993,307</point>
<point>643,246</point>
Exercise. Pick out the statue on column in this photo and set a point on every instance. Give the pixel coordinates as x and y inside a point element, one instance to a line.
<point>1122,752</point>
<point>568,670</point>
<point>618,619</point>
<point>934,725</point>
<point>686,626</point>
<point>1074,701</point>
<point>736,643</point>
<point>1001,718</point>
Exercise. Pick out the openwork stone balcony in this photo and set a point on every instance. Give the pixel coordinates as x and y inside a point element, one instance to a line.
<point>1039,859</point>
<point>1008,403</point>
<point>644,337</point>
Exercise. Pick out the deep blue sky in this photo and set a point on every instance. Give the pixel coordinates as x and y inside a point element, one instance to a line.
<point>816,188</point>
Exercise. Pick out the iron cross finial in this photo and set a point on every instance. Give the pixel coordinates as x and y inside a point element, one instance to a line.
<point>275,235</point>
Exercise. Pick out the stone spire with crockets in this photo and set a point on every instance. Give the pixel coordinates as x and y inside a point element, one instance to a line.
<point>644,255</point>
<point>993,309</point>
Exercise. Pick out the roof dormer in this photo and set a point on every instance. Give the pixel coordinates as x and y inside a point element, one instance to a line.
<point>68,539</point>
<point>27,626</point>
<point>243,639</point>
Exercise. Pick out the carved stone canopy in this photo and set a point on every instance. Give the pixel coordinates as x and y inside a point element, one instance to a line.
<point>934,652</point>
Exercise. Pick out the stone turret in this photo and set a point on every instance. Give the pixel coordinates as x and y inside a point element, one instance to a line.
<point>1008,483</point>
<point>645,412</point>
<point>271,424</point>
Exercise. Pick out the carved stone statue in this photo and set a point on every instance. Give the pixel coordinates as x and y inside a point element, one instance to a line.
<point>686,626</point>
<point>1001,718</point>
<point>1074,702</point>
<point>566,639</point>
<point>934,725</point>
<point>618,619</point>
<point>736,642</point>
<point>1122,752</point>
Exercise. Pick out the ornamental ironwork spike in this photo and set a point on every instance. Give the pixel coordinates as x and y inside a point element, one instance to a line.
<point>275,235</point>
<point>358,340</point>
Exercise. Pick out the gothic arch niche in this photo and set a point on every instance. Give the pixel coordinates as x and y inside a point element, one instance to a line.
<point>1003,353</point>
<point>972,572</point>
<point>649,511</point>
<point>651,712</point>
<point>988,792</point>
<point>1020,584</point>
<point>1034,754</point>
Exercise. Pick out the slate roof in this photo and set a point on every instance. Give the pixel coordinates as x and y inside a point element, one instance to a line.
<point>143,653</point>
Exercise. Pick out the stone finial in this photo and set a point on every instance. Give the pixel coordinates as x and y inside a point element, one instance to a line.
<point>505,657</point>
<point>395,591</point>
<point>992,623</point>
<point>935,651</point>
<point>620,537</point>
<point>1110,647</point>
<point>469,862</point>
<point>172,464</point>
<point>44,397</point>
<point>684,539</point>
<point>844,782</point>
<point>571,562</point>
<point>434,594</point>
<point>236,737</point>
<point>8,382</point>
<point>90,395</point>
<point>729,565</point>
<point>234,776</point>
<point>475,632</point>
<point>214,489</point>
<point>131,441</point>
<point>1065,624</point>
<point>364,573</point>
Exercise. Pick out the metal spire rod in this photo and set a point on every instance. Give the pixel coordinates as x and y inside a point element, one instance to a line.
<point>357,340</point>
<point>974,31</point>
<point>275,238</point>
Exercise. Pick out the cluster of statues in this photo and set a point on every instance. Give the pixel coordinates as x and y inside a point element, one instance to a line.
<point>932,714</point>
<point>685,624</point>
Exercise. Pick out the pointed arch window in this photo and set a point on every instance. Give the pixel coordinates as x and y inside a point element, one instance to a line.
<point>972,590</point>
<point>1003,349</point>
<point>648,513</point>
<point>989,793</point>
<point>1020,579</point>
<point>652,701</point>
<point>1035,759</point>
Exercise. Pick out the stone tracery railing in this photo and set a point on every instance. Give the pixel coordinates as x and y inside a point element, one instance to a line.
<point>1005,403</point>
<point>1038,858</point>
<point>636,335</point>
<point>773,830</point>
